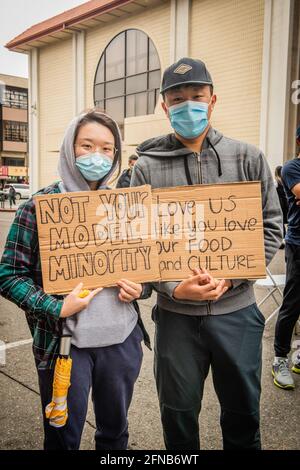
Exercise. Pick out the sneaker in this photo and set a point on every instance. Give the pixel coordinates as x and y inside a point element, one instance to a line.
<point>296,366</point>
<point>282,376</point>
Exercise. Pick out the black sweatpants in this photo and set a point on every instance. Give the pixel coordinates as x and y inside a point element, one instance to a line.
<point>290,309</point>
<point>185,348</point>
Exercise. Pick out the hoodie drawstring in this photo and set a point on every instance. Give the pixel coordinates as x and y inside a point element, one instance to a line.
<point>218,157</point>
<point>187,170</point>
<point>186,166</point>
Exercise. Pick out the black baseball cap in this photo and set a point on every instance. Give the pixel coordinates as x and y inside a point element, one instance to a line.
<point>185,71</point>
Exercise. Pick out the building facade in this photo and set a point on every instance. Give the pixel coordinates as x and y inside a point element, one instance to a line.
<point>13,129</point>
<point>112,54</point>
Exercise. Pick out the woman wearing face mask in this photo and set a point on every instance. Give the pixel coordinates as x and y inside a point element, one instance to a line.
<point>106,337</point>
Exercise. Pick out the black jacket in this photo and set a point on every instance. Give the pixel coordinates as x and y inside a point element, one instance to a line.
<point>124,180</point>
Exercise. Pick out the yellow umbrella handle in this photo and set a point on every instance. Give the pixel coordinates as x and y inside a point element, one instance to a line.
<point>65,346</point>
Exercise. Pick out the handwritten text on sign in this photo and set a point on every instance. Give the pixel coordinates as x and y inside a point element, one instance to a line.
<point>216,227</point>
<point>98,237</point>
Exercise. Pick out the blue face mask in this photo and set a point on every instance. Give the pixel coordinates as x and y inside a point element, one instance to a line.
<point>189,119</point>
<point>93,166</point>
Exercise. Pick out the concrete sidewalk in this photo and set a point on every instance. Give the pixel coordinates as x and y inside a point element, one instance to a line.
<point>6,207</point>
<point>20,412</point>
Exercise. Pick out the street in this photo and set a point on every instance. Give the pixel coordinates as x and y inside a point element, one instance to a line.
<point>20,413</point>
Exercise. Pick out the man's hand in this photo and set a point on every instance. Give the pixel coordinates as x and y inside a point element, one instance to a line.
<point>228,282</point>
<point>74,304</point>
<point>129,290</point>
<point>201,286</point>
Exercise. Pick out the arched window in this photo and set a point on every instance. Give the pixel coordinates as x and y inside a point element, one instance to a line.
<point>128,76</point>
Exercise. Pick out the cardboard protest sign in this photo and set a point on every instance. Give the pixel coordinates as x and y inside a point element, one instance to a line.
<point>216,227</point>
<point>99,237</point>
<point>91,237</point>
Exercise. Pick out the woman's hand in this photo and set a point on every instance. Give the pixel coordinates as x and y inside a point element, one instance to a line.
<point>74,304</point>
<point>129,290</point>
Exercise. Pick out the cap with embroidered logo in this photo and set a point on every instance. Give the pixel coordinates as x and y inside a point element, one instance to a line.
<point>185,71</point>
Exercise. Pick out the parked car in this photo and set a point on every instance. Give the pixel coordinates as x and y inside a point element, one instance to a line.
<point>22,190</point>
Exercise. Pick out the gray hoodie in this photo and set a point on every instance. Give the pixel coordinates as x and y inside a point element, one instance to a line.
<point>164,161</point>
<point>106,320</point>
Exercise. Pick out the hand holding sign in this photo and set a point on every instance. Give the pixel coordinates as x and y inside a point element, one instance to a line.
<point>201,286</point>
<point>129,290</point>
<point>228,282</point>
<point>75,304</point>
<point>164,234</point>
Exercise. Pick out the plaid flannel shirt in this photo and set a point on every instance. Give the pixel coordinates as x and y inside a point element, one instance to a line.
<point>21,282</point>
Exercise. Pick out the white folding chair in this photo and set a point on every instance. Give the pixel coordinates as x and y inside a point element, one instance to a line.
<point>275,282</point>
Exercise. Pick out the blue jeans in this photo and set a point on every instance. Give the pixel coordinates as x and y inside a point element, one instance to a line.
<point>185,348</point>
<point>111,373</point>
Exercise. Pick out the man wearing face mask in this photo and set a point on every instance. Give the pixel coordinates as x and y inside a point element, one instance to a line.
<point>201,323</point>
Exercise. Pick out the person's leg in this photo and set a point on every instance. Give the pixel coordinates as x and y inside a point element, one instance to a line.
<point>236,347</point>
<point>181,365</point>
<point>286,321</point>
<point>290,309</point>
<point>115,372</point>
<point>68,437</point>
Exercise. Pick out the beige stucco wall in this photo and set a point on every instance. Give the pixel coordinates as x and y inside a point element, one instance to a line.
<point>155,22</point>
<point>228,36</point>
<point>11,80</point>
<point>56,81</point>
<point>14,114</point>
<point>8,146</point>
<point>55,104</point>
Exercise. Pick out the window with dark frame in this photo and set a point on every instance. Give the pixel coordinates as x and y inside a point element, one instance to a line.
<point>15,131</point>
<point>128,76</point>
<point>15,97</point>
<point>14,161</point>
